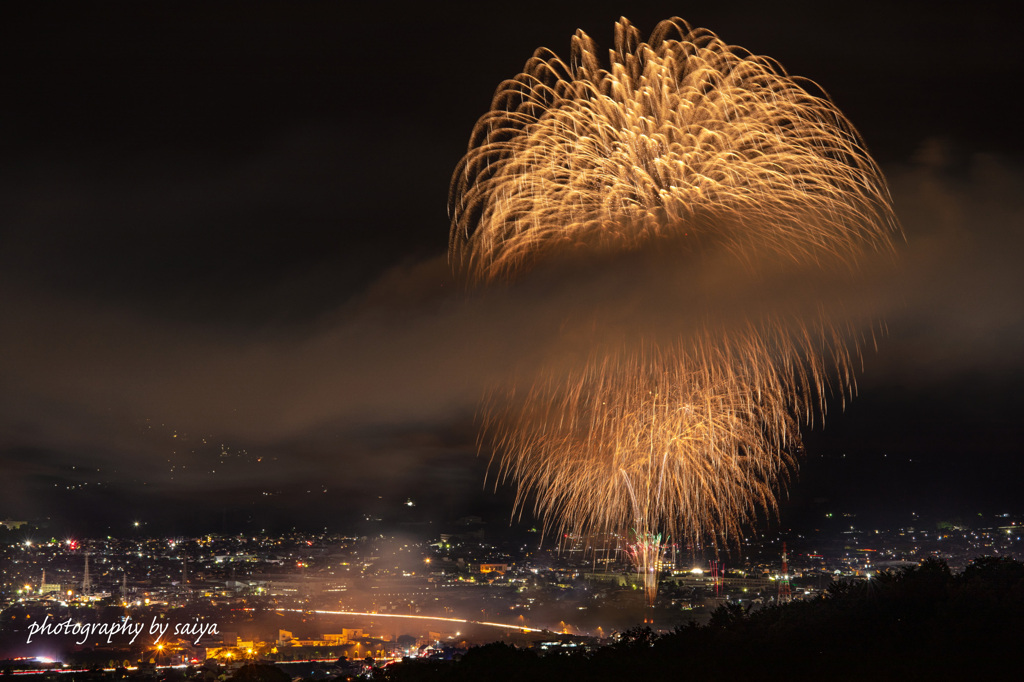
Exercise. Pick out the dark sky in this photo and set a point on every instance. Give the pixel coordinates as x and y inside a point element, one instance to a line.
<point>223,279</point>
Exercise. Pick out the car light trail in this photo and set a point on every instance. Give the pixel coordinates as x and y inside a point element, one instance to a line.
<point>464,621</point>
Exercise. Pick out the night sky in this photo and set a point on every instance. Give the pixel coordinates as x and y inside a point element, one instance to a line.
<point>226,302</point>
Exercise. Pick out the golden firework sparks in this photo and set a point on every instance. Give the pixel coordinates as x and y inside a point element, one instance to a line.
<point>686,145</point>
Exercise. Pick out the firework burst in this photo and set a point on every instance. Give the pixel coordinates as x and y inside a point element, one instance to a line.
<point>688,146</point>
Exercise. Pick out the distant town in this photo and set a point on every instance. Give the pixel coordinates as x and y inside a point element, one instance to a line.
<point>365,600</point>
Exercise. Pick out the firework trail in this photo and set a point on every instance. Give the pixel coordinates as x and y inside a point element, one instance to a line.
<point>646,554</point>
<point>682,145</point>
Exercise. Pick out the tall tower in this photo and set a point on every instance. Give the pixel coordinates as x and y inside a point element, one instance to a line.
<point>785,595</point>
<point>86,582</point>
